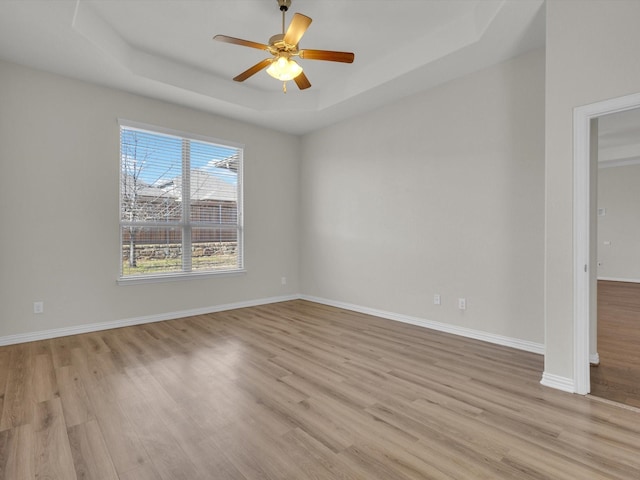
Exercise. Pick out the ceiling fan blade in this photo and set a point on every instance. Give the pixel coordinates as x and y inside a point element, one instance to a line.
<point>239,41</point>
<point>344,57</point>
<point>253,70</point>
<point>297,27</point>
<point>302,81</point>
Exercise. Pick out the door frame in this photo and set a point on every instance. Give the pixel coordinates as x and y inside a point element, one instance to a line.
<point>582,117</point>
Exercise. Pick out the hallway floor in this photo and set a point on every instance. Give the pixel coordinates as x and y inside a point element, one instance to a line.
<point>617,377</point>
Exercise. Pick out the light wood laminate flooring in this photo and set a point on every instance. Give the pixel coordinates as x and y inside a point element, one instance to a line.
<point>617,377</point>
<point>297,390</point>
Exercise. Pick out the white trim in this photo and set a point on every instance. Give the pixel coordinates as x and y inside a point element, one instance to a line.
<point>582,117</point>
<point>559,383</point>
<point>612,279</point>
<point>594,359</point>
<point>177,276</point>
<point>441,327</point>
<point>582,245</point>
<point>96,327</point>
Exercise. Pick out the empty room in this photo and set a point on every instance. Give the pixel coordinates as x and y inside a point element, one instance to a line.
<point>309,239</point>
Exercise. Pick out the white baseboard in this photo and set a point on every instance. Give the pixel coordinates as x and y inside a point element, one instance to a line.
<point>96,327</point>
<point>558,382</point>
<point>594,359</point>
<point>442,327</point>
<point>616,279</point>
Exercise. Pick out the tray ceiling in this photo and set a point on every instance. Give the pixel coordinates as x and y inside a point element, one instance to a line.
<point>164,49</point>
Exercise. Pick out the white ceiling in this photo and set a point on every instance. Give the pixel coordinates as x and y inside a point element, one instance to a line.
<point>164,49</point>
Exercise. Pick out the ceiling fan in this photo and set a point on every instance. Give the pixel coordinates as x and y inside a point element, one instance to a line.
<point>283,46</point>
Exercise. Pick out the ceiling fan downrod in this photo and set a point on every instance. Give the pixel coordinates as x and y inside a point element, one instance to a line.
<point>284,6</point>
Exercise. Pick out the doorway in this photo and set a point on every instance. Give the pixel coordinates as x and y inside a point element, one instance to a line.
<point>617,376</point>
<point>585,247</point>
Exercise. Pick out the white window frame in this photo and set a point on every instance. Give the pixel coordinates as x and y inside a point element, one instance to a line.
<point>186,224</point>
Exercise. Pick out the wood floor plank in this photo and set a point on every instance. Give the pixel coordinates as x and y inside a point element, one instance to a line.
<point>175,417</point>
<point>94,368</point>
<point>255,458</point>
<point>90,455</point>
<point>75,401</point>
<point>5,355</point>
<point>44,378</point>
<point>92,343</point>
<point>19,398</point>
<point>144,472</point>
<point>551,465</point>
<point>165,452</point>
<point>211,461</point>
<point>61,349</point>
<point>18,459</point>
<point>121,438</point>
<point>306,449</point>
<point>375,464</point>
<point>52,451</point>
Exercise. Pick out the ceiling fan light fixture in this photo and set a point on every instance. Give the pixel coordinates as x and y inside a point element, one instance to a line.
<point>284,69</point>
<point>282,47</point>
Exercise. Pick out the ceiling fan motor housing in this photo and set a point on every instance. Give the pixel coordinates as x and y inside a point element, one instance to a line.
<point>277,46</point>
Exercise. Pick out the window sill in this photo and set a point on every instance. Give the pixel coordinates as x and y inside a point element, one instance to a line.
<point>177,277</point>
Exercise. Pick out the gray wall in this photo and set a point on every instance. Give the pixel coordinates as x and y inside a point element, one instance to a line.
<point>441,192</point>
<point>59,154</point>
<point>619,195</point>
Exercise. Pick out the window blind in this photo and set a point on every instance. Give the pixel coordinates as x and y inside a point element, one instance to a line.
<point>180,204</point>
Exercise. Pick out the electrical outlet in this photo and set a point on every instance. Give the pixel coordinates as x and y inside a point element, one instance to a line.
<point>436,299</point>
<point>462,303</point>
<point>38,307</point>
<point>283,280</point>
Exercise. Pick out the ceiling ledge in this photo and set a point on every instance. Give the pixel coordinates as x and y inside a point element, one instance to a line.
<point>455,36</point>
<point>485,46</point>
<point>621,152</point>
<point>618,162</point>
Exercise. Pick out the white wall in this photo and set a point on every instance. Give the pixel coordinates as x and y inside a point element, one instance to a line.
<point>591,55</point>
<point>59,239</point>
<point>619,228</point>
<point>441,192</point>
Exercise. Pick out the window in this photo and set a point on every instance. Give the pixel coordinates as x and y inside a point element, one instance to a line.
<point>180,204</point>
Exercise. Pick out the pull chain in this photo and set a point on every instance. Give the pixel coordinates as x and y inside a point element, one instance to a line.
<point>284,87</point>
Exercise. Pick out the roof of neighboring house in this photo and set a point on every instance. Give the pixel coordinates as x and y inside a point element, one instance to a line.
<point>204,186</point>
